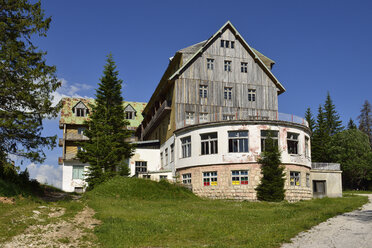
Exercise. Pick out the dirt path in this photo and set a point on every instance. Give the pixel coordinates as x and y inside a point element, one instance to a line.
<point>62,233</point>
<point>348,230</point>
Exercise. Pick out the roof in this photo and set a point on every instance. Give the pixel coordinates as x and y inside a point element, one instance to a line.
<point>68,117</point>
<point>261,59</point>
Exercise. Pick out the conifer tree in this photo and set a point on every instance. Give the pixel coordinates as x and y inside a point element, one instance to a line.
<point>26,82</point>
<point>321,139</point>
<point>107,147</point>
<point>271,187</point>
<point>351,124</point>
<point>332,118</point>
<point>365,120</point>
<point>310,119</point>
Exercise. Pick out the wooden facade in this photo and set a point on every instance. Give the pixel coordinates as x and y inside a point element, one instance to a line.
<point>190,71</point>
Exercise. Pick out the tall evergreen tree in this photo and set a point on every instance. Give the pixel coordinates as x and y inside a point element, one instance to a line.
<point>332,118</point>
<point>310,119</point>
<point>107,147</point>
<point>321,139</point>
<point>351,124</point>
<point>271,187</point>
<point>26,82</point>
<point>365,120</point>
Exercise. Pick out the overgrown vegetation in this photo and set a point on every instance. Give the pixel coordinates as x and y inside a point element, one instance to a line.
<point>107,148</point>
<point>271,187</point>
<point>142,213</point>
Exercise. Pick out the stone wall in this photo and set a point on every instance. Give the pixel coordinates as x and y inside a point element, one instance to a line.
<point>226,190</point>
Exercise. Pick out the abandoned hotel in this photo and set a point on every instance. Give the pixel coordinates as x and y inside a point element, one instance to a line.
<point>205,126</point>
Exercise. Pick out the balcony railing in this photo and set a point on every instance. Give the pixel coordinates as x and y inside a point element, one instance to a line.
<point>158,115</point>
<point>242,115</point>
<point>325,166</point>
<point>74,137</point>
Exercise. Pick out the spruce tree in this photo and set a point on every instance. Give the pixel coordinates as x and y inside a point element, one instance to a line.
<point>310,119</point>
<point>351,124</point>
<point>320,139</point>
<point>332,118</point>
<point>271,187</point>
<point>365,120</point>
<point>26,82</point>
<point>107,147</point>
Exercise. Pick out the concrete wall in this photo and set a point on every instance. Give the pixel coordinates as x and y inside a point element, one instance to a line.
<point>224,157</point>
<point>333,181</point>
<point>151,156</point>
<point>69,184</point>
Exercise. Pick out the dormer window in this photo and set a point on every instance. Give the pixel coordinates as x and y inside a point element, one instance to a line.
<point>80,110</point>
<point>129,112</point>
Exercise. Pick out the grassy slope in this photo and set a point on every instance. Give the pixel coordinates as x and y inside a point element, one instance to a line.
<point>139,213</point>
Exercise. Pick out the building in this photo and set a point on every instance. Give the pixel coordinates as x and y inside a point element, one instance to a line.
<point>212,112</point>
<point>73,114</point>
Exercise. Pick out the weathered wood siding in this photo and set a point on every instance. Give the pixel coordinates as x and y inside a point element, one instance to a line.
<point>187,85</point>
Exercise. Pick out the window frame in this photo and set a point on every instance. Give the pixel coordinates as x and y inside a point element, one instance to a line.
<point>186,178</point>
<point>251,95</point>
<point>228,117</point>
<point>190,118</point>
<point>166,156</point>
<point>78,172</point>
<point>163,177</point>
<point>203,117</point>
<point>209,143</point>
<point>308,184</point>
<point>210,178</point>
<point>307,147</point>
<point>243,67</point>
<point>263,138</point>
<point>244,140</point>
<point>172,153</point>
<point>203,91</point>
<point>227,93</point>
<point>140,167</point>
<point>295,178</point>
<point>292,143</point>
<point>186,147</point>
<point>210,64</point>
<point>239,177</point>
<point>80,112</point>
<point>227,65</point>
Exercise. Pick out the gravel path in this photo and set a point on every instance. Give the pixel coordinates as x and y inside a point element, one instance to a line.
<point>349,230</point>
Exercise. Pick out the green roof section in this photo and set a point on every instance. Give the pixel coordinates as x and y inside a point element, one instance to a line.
<point>68,117</point>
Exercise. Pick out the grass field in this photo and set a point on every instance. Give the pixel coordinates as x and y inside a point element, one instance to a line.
<point>357,192</point>
<point>140,213</point>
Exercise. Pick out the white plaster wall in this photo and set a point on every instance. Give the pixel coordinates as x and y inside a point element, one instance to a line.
<point>69,184</point>
<point>254,143</point>
<point>168,165</point>
<point>152,156</point>
<point>333,181</point>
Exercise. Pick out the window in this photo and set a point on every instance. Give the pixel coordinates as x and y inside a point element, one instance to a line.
<point>307,152</point>
<point>227,93</point>
<point>210,64</point>
<point>166,156</point>
<point>292,143</point>
<point>186,147</point>
<point>227,43</point>
<point>244,67</point>
<point>210,178</point>
<point>80,112</point>
<point>163,177</point>
<point>203,117</point>
<point>238,141</point>
<point>141,166</point>
<point>222,43</point>
<point>308,180</point>
<point>189,118</point>
<point>77,172</point>
<point>146,176</point>
<point>186,178</point>
<point>129,115</point>
<point>227,65</point>
<point>203,91</point>
<point>209,143</point>
<point>239,177</point>
<point>161,159</point>
<point>232,44</point>
<point>228,117</point>
<point>172,152</point>
<point>265,134</point>
<point>81,130</point>
<point>251,95</point>
<point>294,178</point>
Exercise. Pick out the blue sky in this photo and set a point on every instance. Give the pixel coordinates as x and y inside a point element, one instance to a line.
<point>318,46</point>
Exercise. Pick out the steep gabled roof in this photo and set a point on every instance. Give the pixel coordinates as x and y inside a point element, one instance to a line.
<point>258,57</point>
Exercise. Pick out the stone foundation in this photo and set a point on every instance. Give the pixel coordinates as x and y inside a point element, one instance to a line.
<point>226,190</point>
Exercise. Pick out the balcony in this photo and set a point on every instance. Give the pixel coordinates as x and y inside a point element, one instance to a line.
<point>252,115</point>
<point>156,118</point>
<point>74,137</point>
<point>67,157</point>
